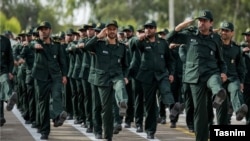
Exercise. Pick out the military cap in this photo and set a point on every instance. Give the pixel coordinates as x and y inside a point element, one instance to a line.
<point>29,32</point>
<point>99,27</point>
<point>82,28</point>
<point>205,14</point>
<point>140,28</point>
<point>227,25</point>
<point>44,24</point>
<point>70,31</point>
<point>163,31</point>
<point>61,34</point>
<point>23,33</point>
<point>150,23</point>
<point>247,32</point>
<point>128,28</point>
<point>112,22</point>
<point>89,25</point>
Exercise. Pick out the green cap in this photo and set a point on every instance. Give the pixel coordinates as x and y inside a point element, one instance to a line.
<point>89,25</point>
<point>140,28</point>
<point>99,27</point>
<point>205,14</point>
<point>163,31</point>
<point>61,34</point>
<point>112,22</point>
<point>128,28</point>
<point>82,28</point>
<point>247,32</point>
<point>23,33</point>
<point>150,23</point>
<point>227,25</point>
<point>44,24</point>
<point>70,31</point>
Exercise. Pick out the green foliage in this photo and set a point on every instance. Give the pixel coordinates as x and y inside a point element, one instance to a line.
<point>3,20</point>
<point>11,24</point>
<point>134,12</point>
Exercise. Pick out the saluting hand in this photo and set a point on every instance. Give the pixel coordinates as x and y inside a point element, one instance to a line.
<point>102,34</point>
<point>184,24</point>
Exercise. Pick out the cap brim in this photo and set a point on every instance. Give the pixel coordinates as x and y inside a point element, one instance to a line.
<point>39,27</point>
<point>111,24</point>
<point>226,29</point>
<point>202,18</point>
<point>245,33</point>
<point>149,25</point>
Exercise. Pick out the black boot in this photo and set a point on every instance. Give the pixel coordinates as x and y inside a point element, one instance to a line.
<point>2,119</point>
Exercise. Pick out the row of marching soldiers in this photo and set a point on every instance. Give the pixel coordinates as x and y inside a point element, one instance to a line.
<point>42,92</point>
<point>96,94</point>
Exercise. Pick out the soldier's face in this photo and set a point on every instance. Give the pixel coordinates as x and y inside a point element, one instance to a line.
<point>247,38</point>
<point>44,32</point>
<point>150,31</point>
<point>90,32</point>
<point>204,25</point>
<point>226,34</point>
<point>112,31</point>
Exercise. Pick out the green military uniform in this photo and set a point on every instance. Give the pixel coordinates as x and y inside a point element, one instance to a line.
<point>111,61</point>
<point>129,30</point>
<point>67,102</point>
<point>20,76</point>
<point>236,73</point>
<point>204,63</point>
<point>246,56</point>
<point>6,63</point>
<point>28,54</point>
<point>84,74</point>
<point>136,85</point>
<point>48,70</point>
<point>156,65</point>
<point>71,51</point>
<point>96,101</point>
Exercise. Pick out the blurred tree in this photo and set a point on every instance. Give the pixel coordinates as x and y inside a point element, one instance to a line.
<point>134,12</point>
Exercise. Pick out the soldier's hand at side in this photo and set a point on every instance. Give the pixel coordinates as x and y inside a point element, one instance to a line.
<point>102,34</point>
<point>21,61</point>
<point>64,80</point>
<point>38,46</point>
<point>241,87</point>
<point>184,24</point>
<point>171,78</point>
<point>223,77</point>
<point>126,80</point>
<point>16,63</point>
<point>11,76</point>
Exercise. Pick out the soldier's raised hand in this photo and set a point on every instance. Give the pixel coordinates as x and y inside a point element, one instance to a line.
<point>102,34</point>
<point>184,24</point>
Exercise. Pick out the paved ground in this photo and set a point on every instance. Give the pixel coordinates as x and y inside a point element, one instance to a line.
<point>15,130</point>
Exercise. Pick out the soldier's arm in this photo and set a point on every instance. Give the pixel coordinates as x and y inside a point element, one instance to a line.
<point>240,66</point>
